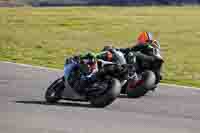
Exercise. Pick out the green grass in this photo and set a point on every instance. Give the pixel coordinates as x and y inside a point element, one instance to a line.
<point>45,36</point>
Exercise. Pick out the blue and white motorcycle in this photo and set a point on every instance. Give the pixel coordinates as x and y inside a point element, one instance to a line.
<point>75,86</point>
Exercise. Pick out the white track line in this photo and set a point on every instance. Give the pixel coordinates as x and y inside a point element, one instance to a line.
<point>54,69</point>
<point>27,65</point>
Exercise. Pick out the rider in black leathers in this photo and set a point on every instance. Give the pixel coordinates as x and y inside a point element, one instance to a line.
<point>143,50</point>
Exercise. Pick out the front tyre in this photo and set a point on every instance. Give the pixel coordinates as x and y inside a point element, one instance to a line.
<point>111,93</point>
<point>53,93</point>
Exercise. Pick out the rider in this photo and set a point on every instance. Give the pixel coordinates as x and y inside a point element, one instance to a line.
<point>143,48</point>
<point>88,64</point>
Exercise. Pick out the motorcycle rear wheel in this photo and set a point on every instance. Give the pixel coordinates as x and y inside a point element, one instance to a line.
<point>148,80</point>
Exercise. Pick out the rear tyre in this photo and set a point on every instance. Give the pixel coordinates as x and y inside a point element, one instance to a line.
<point>54,91</point>
<point>108,96</point>
<point>148,82</point>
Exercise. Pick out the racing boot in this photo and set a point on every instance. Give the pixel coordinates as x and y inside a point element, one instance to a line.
<point>81,86</point>
<point>84,84</point>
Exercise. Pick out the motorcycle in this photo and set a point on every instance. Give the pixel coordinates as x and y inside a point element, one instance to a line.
<point>142,77</point>
<point>100,93</point>
<point>148,72</point>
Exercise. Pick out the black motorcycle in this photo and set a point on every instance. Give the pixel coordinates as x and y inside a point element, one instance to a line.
<point>99,92</point>
<point>148,69</point>
<point>143,75</point>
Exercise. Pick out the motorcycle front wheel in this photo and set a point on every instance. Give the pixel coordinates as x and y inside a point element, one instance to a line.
<point>53,92</point>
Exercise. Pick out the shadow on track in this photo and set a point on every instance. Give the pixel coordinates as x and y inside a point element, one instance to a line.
<point>71,104</point>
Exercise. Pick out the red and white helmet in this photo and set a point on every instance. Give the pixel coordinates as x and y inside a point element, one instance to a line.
<point>144,37</point>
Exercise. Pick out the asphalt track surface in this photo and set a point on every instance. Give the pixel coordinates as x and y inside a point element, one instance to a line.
<point>23,109</point>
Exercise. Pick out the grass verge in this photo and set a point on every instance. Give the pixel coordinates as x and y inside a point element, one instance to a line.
<point>46,36</point>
